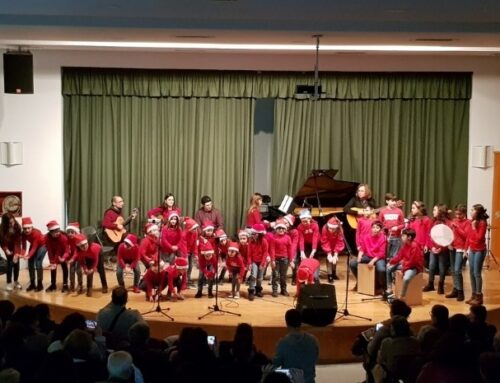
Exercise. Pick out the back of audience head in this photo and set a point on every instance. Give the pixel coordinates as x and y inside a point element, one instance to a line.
<point>138,334</point>
<point>119,296</point>
<point>78,344</point>
<point>478,314</point>
<point>73,321</point>
<point>293,318</point>
<point>400,326</point>
<point>399,307</point>
<point>25,315</point>
<point>459,324</point>
<point>57,368</point>
<point>440,317</point>
<point>42,311</point>
<point>193,345</point>
<point>7,308</point>
<point>9,375</point>
<point>120,365</point>
<point>243,341</point>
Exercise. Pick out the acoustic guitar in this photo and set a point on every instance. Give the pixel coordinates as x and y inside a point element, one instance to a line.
<point>353,219</point>
<point>116,235</point>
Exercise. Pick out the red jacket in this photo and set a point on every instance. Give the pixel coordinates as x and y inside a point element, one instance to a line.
<point>476,240</point>
<point>258,251</point>
<point>308,234</point>
<point>422,227</point>
<point>89,258</point>
<point>171,236</point>
<point>374,246</point>
<point>148,250</point>
<point>461,229</point>
<point>331,242</point>
<point>236,265</point>
<point>208,266</point>
<point>392,218</point>
<point>411,256</point>
<point>172,274</point>
<point>36,240</point>
<point>57,248</point>
<point>128,255</point>
<point>281,247</point>
<point>109,218</point>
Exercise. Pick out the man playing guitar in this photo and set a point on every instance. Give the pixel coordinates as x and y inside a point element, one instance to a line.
<point>113,221</point>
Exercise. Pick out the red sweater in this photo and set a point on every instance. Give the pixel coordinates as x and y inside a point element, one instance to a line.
<point>236,264</point>
<point>331,242</point>
<point>476,240</point>
<point>254,217</point>
<point>173,273</point>
<point>392,218</point>
<point>89,258</point>
<point>36,240</point>
<point>57,248</point>
<point>308,234</point>
<point>171,236</point>
<point>411,256</point>
<point>109,219</point>
<point>148,250</point>
<point>128,256</point>
<point>461,228</point>
<point>190,241</point>
<point>374,246</point>
<point>281,247</point>
<point>364,229</point>
<point>258,251</point>
<point>208,266</point>
<point>422,227</point>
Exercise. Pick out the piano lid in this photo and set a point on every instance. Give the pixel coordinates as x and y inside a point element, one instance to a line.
<point>331,192</point>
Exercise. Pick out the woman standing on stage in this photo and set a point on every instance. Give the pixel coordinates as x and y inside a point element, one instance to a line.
<point>476,251</point>
<point>163,210</point>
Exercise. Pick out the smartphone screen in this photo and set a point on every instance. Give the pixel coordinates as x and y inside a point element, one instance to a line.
<point>91,324</point>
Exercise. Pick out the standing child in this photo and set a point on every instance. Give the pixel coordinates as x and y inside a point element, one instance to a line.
<point>171,235</point>
<point>221,252</point>
<point>208,266</point>
<point>10,239</point>
<point>308,235</point>
<point>243,240</point>
<point>410,259</point>
<point>88,256</point>
<point>128,260</point>
<point>281,257</point>
<point>59,252</point>
<point>36,254</point>
<point>393,219</point>
<point>421,223</point>
<point>332,243</point>
<point>461,227</point>
<point>258,250</point>
<point>149,247</point>
<point>476,250</point>
<point>72,230</point>
<point>190,241</point>
<point>236,267</point>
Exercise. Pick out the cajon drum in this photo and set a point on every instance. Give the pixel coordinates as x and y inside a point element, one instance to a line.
<point>414,292</point>
<point>366,279</point>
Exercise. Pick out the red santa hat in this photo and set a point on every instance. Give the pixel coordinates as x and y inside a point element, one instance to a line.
<point>208,225</point>
<point>81,240</point>
<point>333,223</point>
<point>27,222</point>
<point>75,226</point>
<point>131,239</point>
<point>190,223</point>
<point>243,233</point>
<point>221,234</point>
<point>151,227</point>
<point>181,263</point>
<point>206,248</point>
<point>53,225</point>
<point>233,246</point>
<point>280,223</point>
<point>172,214</point>
<point>305,214</point>
<point>303,274</point>
<point>259,228</point>
<point>290,219</point>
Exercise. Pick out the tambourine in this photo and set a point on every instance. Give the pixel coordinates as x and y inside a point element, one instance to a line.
<point>442,235</point>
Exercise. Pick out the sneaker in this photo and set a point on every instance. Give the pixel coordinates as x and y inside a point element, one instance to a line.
<point>39,287</point>
<point>9,287</point>
<point>251,296</point>
<point>335,277</point>
<point>180,296</point>
<point>236,295</point>
<point>18,286</point>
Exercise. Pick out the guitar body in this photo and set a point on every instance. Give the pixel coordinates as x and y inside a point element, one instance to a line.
<point>116,235</point>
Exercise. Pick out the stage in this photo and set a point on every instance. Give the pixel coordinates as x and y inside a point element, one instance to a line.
<point>265,314</point>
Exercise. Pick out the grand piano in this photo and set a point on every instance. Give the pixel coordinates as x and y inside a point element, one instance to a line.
<point>322,194</point>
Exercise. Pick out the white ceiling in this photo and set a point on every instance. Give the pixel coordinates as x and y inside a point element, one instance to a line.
<point>70,24</point>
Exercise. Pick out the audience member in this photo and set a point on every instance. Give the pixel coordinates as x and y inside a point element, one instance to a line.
<point>7,308</point>
<point>429,334</point>
<point>57,368</point>
<point>9,375</point>
<point>45,324</point>
<point>298,349</point>
<point>121,368</point>
<point>480,333</point>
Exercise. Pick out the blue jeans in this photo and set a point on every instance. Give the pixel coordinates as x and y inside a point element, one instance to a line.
<point>456,259</point>
<point>256,275</point>
<point>440,260</point>
<point>476,260</point>
<point>36,263</point>
<point>379,268</point>
<point>394,246</point>
<point>279,274</point>
<point>119,275</point>
<point>407,277</point>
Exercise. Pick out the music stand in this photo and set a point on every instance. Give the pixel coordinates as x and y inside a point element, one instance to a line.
<point>345,312</point>
<point>215,307</point>
<point>157,295</point>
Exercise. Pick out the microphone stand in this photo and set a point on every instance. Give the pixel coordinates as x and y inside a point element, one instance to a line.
<point>215,308</point>
<point>488,248</point>
<point>157,296</point>
<point>345,312</point>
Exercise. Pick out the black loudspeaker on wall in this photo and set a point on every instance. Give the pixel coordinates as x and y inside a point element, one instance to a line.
<point>318,304</point>
<point>18,72</point>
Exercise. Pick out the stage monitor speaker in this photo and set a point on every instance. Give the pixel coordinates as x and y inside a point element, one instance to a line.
<point>317,304</point>
<point>18,72</point>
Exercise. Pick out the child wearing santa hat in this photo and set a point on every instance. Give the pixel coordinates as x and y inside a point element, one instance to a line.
<point>281,257</point>
<point>72,230</point>
<point>128,260</point>
<point>190,241</point>
<point>307,273</point>
<point>236,267</point>
<point>35,255</point>
<point>88,257</point>
<point>208,267</point>
<point>222,243</point>
<point>149,247</point>
<point>332,243</point>
<point>258,251</point>
<point>171,235</point>
<point>177,278</point>
<point>58,251</point>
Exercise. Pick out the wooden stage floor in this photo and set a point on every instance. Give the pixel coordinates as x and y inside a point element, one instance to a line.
<point>266,314</point>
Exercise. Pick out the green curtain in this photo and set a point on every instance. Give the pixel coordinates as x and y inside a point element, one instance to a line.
<point>142,148</point>
<point>417,148</point>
